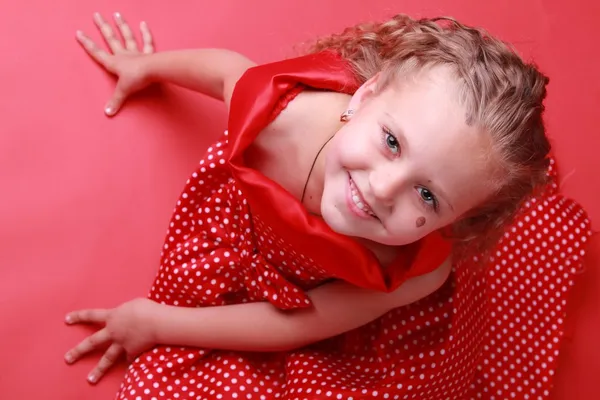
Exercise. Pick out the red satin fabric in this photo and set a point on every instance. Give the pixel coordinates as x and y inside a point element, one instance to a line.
<point>256,95</point>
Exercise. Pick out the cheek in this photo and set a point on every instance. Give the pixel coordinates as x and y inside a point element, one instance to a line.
<point>409,222</point>
<point>352,148</point>
<point>336,154</point>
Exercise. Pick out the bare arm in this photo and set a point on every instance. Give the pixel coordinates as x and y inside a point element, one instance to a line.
<point>337,308</point>
<point>213,72</point>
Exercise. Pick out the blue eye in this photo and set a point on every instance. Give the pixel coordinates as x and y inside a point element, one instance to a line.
<point>391,142</point>
<point>428,198</point>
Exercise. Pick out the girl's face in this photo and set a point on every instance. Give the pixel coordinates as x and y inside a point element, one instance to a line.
<point>406,163</point>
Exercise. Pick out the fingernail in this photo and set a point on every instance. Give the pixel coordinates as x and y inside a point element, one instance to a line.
<point>79,34</point>
<point>92,378</point>
<point>108,110</point>
<point>68,319</point>
<point>118,15</point>
<point>68,358</point>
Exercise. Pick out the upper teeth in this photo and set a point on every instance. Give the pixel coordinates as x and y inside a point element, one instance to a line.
<point>357,200</point>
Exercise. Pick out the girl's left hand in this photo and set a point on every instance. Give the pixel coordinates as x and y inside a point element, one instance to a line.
<point>128,330</point>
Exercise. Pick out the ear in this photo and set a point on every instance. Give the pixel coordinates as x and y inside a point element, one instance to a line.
<point>364,92</point>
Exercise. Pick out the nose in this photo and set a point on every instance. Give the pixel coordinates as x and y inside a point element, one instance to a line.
<point>386,183</point>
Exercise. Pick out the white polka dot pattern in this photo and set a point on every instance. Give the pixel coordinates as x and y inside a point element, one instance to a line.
<point>492,331</point>
<point>528,282</point>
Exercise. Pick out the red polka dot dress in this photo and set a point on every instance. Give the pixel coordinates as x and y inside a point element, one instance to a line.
<point>492,331</point>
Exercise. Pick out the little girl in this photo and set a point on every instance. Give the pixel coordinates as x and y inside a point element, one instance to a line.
<point>347,184</point>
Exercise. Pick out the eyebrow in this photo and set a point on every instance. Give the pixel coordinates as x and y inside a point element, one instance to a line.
<point>399,133</point>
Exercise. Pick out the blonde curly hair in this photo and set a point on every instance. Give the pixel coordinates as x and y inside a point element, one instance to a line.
<point>503,96</point>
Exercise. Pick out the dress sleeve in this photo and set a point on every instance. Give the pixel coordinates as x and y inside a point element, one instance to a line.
<point>210,256</point>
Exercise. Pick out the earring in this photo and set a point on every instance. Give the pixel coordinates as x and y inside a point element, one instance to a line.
<point>346,115</point>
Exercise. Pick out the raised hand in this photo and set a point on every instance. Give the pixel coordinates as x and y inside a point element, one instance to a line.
<point>124,58</point>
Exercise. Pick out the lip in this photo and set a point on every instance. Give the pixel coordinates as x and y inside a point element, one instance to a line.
<point>350,203</point>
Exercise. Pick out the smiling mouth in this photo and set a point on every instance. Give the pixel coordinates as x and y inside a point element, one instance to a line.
<point>358,199</point>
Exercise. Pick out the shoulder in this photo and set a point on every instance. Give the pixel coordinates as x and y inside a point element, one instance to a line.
<point>235,66</point>
<point>309,85</point>
<point>312,110</point>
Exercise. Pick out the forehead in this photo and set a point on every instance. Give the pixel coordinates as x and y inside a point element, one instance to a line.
<point>425,109</point>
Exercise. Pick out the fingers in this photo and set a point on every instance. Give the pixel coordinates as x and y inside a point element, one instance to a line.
<point>114,43</point>
<point>88,345</point>
<point>108,360</point>
<point>116,102</point>
<point>146,38</point>
<point>130,43</point>
<point>99,55</point>
<point>109,34</point>
<point>91,316</point>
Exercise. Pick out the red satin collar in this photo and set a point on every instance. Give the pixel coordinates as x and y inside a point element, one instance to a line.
<point>255,97</point>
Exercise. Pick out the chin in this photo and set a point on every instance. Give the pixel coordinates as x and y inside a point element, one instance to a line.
<point>333,218</point>
<point>337,221</point>
<point>392,241</point>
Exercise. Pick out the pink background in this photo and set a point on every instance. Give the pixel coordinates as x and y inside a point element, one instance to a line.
<point>85,200</point>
